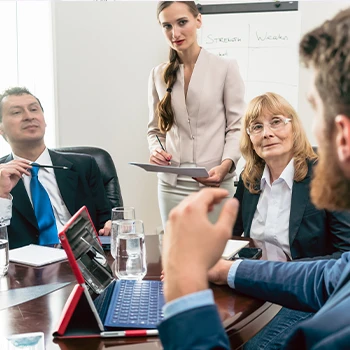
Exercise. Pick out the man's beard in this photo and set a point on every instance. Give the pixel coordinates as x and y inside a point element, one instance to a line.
<point>330,189</point>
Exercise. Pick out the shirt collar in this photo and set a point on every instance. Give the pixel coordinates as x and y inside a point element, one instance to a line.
<point>44,158</point>
<point>287,175</point>
<point>265,179</point>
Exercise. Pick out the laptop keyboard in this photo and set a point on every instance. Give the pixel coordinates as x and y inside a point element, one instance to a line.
<point>136,304</point>
<point>102,301</point>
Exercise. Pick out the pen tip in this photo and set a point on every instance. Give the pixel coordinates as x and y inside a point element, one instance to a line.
<point>65,168</point>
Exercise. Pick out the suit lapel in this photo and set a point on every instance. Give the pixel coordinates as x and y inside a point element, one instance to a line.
<point>196,84</point>
<point>67,180</point>
<point>189,106</point>
<point>21,201</point>
<point>300,195</point>
<point>249,208</point>
<point>178,94</point>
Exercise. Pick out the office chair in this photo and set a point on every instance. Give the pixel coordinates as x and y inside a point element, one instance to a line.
<point>107,169</point>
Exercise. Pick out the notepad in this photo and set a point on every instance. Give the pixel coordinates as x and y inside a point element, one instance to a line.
<point>187,171</point>
<point>233,246</point>
<point>36,255</point>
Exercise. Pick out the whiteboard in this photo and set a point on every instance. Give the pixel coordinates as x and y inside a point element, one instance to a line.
<point>265,45</point>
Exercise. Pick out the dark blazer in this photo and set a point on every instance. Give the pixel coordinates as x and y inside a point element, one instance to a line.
<point>322,286</point>
<point>80,185</point>
<point>312,232</point>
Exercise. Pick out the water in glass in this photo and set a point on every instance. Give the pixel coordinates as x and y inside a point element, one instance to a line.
<point>131,251</point>
<point>119,213</point>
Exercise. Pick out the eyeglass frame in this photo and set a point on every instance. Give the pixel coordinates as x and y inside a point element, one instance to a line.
<point>285,121</point>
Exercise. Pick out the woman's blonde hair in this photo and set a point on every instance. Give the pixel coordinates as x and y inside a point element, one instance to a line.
<point>273,104</point>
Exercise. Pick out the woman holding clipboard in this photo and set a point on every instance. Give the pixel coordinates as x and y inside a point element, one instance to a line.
<point>196,101</point>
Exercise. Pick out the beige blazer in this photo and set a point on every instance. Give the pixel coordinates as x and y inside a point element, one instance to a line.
<point>208,122</point>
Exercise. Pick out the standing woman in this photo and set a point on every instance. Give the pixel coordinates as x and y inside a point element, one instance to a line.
<point>196,101</point>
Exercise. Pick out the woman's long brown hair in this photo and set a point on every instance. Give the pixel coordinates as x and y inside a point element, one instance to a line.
<point>164,110</point>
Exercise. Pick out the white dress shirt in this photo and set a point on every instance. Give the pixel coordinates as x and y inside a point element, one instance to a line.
<point>270,226</point>
<point>47,178</point>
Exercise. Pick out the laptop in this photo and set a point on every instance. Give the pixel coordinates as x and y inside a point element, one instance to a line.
<point>113,304</point>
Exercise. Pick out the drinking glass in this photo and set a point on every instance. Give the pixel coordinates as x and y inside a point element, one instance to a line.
<point>160,234</point>
<point>131,250</point>
<point>4,250</point>
<point>119,213</point>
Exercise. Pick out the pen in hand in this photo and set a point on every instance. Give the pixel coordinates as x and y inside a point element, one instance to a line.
<point>160,143</point>
<point>168,159</point>
<point>48,166</point>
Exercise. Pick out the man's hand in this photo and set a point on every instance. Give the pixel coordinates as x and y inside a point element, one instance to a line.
<point>218,273</point>
<point>10,173</point>
<point>106,230</point>
<point>160,157</point>
<point>192,244</point>
<point>216,174</point>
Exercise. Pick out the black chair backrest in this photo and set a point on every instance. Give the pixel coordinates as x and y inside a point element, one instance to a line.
<point>107,169</point>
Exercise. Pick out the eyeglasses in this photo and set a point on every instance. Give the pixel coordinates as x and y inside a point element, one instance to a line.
<point>276,123</point>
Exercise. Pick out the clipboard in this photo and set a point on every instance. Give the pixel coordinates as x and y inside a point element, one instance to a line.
<point>187,171</point>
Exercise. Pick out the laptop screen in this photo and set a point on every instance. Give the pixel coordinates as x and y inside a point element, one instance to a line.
<point>88,253</point>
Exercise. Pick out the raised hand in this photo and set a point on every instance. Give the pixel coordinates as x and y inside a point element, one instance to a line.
<point>192,244</point>
<point>10,173</point>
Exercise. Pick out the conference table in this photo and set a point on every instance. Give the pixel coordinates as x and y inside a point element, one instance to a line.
<point>242,316</point>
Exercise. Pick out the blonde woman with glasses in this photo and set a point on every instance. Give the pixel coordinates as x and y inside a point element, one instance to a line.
<point>274,194</point>
<point>275,206</point>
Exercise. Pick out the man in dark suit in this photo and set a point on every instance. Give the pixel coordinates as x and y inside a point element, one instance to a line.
<point>319,286</point>
<point>22,124</point>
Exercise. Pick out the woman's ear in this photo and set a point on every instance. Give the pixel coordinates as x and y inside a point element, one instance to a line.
<point>342,137</point>
<point>199,21</point>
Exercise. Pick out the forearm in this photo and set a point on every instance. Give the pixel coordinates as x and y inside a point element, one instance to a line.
<point>234,108</point>
<point>335,255</point>
<point>152,127</point>
<point>227,166</point>
<point>304,286</point>
<point>152,139</point>
<point>232,149</point>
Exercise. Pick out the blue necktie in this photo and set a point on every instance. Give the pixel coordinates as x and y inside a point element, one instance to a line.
<point>43,211</point>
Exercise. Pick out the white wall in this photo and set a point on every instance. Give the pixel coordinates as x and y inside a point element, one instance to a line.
<point>104,53</point>
<point>313,13</point>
